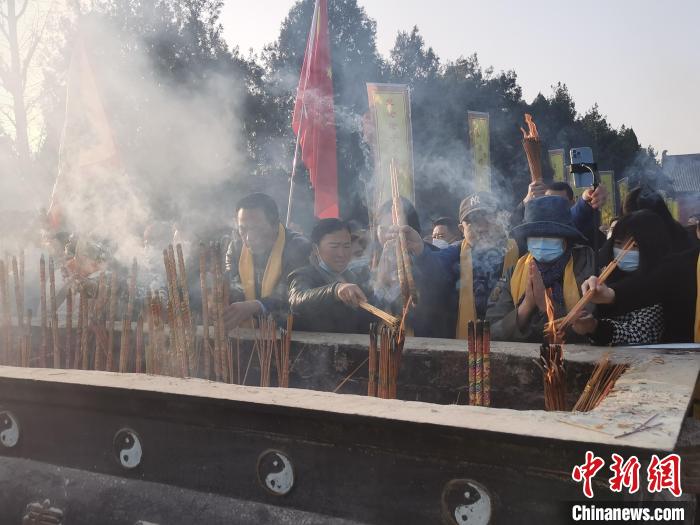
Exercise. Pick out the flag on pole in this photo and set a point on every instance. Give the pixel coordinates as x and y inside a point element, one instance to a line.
<point>93,195</point>
<point>480,142</point>
<point>314,119</point>
<point>86,141</point>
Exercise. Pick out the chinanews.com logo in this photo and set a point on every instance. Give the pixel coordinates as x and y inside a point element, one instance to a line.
<point>662,475</point>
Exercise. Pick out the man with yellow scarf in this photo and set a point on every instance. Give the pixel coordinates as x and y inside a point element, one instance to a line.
<point>259,270</point>
<point>554,261</point>
<point>474,266</point>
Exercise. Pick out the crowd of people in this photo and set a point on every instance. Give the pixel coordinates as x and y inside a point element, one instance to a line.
<point>485,263</point>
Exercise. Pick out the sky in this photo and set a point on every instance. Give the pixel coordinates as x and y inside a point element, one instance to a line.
<point>638,59</point>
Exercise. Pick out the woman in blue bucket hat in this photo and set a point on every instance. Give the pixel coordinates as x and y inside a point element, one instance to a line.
<point>556,260</point>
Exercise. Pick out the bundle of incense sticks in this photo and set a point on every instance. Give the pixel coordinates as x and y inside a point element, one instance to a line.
<point>391,341</point>
<point>479,362</point>
<point>178,331</point>
<point>533,150</point>
<point>554,376</point>
<point>373,359</point>
<point>284,349</point>
<point>381,314</point>
<point>206,349</point>
<point>403,258</point>
<point>18,274</point>
<point>44,320</point>
<point>6,315</point>
<point>220,368</point>
<point>599,385</point>
<point>265,346</point>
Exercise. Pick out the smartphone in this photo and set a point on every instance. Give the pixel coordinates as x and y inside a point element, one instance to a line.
<point>581,161</point>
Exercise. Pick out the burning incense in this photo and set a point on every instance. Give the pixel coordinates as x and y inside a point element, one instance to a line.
<point>479,363</point>
<point>381,314</point>
<point>98,324</point>
<point>554,376</point>
<point>391,341</point>
<point>552,362</point>
<point>581,304</point>
<point>533,151</point>
<point>372,367</point>
<point>403,259</point>
<point>471,361</point>
<point>205,310</point>
<point>599,385</point>
<point>219,327</point>
<point>139,344</point>
<point>44,320</point>
<point>486,350</point>
<point>54,313</point>
<point>69,326</point>
<point>185,305</point>
<point>111,319</point>
<point>19,291</point>
<point>265,343</point>
<point>6,323</point>
<point>27,339</point>
<point>83,328</point>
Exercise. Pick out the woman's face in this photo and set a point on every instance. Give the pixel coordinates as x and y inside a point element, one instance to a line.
<point>335,249</point>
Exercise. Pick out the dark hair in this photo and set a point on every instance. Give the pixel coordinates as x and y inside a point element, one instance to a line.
<point>409,210</point>
<point>645,198</point>
<point>260,201</point>
<point>649,233</point>
<point>449,222</point>
<point>327,226</point>
<point>562,186</point>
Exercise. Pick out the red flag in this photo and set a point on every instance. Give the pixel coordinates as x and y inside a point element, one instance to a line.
<point>314,118</point>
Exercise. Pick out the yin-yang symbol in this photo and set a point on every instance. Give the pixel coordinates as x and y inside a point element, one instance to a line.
<point>9,429</point>
<point>466,502</point>
<point>275,472</point>
<point>127,447</point>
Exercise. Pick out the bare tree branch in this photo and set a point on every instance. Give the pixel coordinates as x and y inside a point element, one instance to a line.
<point>22,9</point>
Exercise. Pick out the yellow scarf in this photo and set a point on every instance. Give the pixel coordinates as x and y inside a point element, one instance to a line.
<point>467,308</point>
<point>521,275</point>
<point>273,270</point>
<point>697,306</point>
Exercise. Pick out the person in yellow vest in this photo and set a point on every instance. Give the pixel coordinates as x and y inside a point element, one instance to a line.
<point>555,260</point>
<point>474,266</point>
<point>259,269</point>
<point>674,283</point>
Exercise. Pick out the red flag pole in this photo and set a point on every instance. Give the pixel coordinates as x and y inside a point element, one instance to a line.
<point>291,182</point>
<point>307,53</point>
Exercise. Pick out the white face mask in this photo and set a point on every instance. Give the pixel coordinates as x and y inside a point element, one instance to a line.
<point>440,243</point>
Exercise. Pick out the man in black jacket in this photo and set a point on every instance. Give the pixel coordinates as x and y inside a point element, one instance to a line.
<point>259,270</point>
<point>323,296</point>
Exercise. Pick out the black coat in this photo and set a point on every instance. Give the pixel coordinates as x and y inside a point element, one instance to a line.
<point>673,284</point>
<point>316,307</point>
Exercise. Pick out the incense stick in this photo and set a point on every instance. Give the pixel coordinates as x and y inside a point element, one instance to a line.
<point>44,320</point>
<point>471,361</point>
<point>381,314</point>
<point>205,310</point>
<point>569,318</point>
<point>486,352</point>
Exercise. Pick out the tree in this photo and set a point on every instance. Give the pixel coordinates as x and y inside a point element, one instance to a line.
<point>28,28</point>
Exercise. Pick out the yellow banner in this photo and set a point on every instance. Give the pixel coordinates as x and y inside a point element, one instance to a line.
<point>480,143</point>
<point>607,212</point>
<point>623,189</point>
<point>390,136</point>
<point>556,161</point>
<point>672,205</point>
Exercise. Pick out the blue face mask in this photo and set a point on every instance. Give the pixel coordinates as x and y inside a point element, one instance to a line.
<point>630,262</point>
<point>545,249</point>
